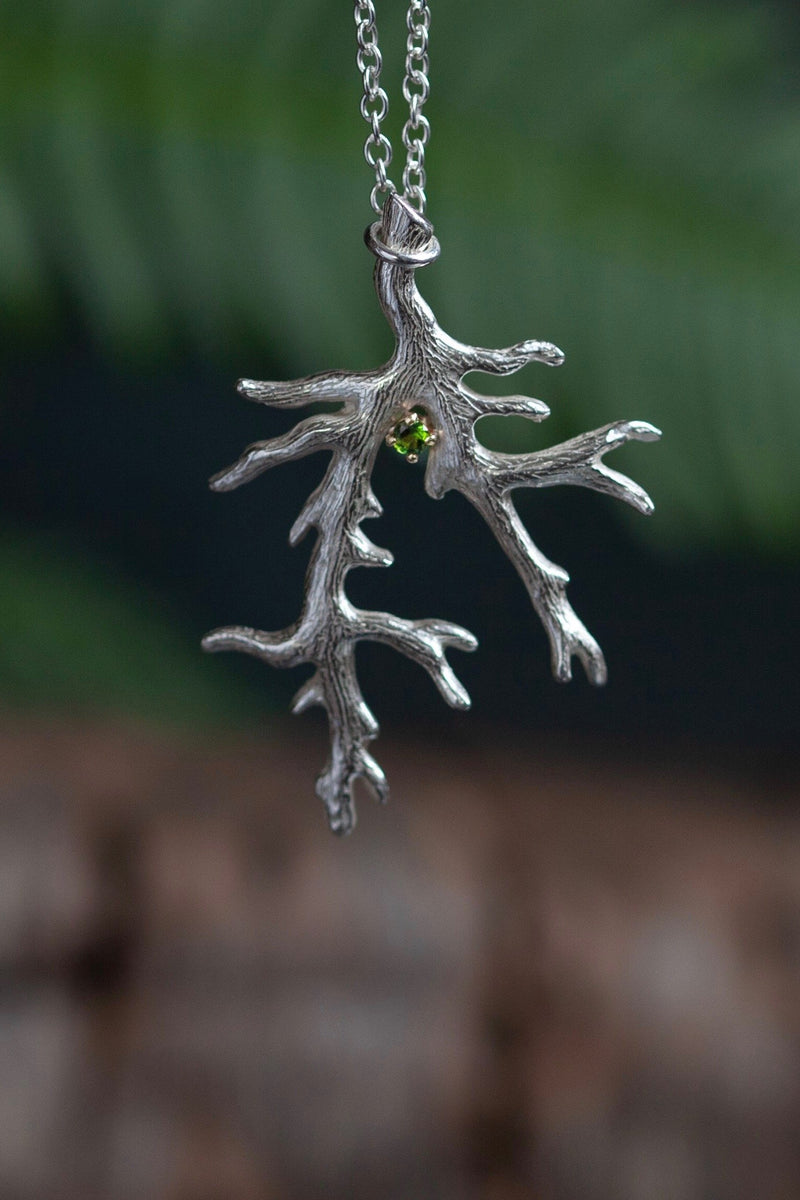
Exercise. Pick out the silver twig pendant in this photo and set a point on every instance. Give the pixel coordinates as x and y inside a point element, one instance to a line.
<point>417,401</point>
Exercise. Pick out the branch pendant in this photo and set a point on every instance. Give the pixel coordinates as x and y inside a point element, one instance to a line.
<point>417,400</point>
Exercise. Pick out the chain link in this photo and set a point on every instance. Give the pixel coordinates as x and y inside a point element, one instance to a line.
<point>375,103</point>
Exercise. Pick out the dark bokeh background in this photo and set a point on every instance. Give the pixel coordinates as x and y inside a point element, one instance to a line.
<point>565,961</point>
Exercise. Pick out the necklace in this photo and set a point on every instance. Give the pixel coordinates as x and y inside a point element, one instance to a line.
<point>417,404</point>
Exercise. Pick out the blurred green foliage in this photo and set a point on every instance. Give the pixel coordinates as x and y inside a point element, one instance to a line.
<point>71,635</point>
<point>620,178</point>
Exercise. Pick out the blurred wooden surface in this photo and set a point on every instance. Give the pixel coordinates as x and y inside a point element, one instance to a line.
<point>534,974</point>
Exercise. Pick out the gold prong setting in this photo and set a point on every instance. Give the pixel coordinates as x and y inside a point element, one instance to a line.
<point>412,433</point>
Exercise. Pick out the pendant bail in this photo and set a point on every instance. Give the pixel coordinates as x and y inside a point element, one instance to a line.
<point>403,235</point>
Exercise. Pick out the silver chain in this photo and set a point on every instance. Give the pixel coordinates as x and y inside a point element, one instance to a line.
<point>375,103</point>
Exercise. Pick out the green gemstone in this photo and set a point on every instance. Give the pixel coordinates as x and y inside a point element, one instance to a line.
<point>410,436</point>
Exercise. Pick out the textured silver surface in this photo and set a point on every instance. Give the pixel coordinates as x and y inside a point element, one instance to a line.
<point>427,370</point>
